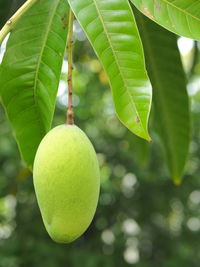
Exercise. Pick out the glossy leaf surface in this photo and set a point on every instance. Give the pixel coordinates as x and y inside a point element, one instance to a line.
<point>180,16</point>
<point>30,72</point>
<point>112,31</point>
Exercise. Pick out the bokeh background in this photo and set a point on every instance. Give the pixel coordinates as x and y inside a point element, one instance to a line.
<point>142,219</point>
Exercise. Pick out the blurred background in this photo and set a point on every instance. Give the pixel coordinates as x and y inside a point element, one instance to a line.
<point>142,219</point>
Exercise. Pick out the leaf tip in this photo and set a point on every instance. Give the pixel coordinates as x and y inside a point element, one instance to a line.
<point>150,140</point>
<point>146,136</point>
<point>177,181</point>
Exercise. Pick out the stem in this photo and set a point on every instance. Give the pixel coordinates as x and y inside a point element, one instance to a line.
<point>12,21</point>
<point>70,115</point>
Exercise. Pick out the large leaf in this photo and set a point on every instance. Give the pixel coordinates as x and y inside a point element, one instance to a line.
<point>171,104</point>
<point>179,16</point>
<point>112,31</point>
<point>30,72</point>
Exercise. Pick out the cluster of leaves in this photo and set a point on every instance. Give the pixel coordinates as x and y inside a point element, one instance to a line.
<point>141,216</point>
<point>123,39</point>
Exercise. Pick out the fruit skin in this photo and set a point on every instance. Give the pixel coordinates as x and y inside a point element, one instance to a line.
<point>66,180</point>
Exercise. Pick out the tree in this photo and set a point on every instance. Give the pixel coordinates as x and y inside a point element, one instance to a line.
<point>116,40</point>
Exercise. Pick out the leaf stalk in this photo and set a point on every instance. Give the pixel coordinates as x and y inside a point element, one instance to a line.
<point>70,114</point>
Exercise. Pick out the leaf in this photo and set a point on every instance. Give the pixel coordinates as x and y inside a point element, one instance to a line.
<point>181,16</point>
<point>170,99</point>
<point>112,31</point>
<point>30,72</point>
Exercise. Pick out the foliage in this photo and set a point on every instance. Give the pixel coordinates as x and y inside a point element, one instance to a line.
<point>131,195</point>
<point>141,218</point>
<point>170,98</point>
<point>121,55</point>
<point>180,17</point>
<point>29,80</point>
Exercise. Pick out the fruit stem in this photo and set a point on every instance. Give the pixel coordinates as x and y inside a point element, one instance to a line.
<point>12,21</point>
<point>70,114</point>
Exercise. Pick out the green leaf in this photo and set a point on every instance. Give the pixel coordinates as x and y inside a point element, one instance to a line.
<point>112,31</point>
<point>170,99</point>
<point>181,16</point>
<point>30,72</point>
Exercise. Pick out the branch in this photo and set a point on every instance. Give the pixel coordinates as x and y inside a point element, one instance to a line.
<point>12,21</point>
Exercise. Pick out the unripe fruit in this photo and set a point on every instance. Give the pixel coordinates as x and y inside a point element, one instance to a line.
<point>66,180</point>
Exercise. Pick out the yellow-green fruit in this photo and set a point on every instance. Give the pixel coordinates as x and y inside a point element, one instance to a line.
<point>66,180</point>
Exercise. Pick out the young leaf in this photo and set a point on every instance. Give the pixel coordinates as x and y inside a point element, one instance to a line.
<point>112,31</point>
<point>170,99</point>
<point>30,72</point>
<point>180,17</point>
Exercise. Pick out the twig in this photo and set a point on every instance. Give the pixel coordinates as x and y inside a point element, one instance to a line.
<point>70,115</point>
<point>12,21</point>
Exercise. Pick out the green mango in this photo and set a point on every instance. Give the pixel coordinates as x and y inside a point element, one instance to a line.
<point>66,179</point>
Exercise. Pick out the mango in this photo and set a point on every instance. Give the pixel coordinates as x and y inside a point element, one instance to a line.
<point>66,179</point>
